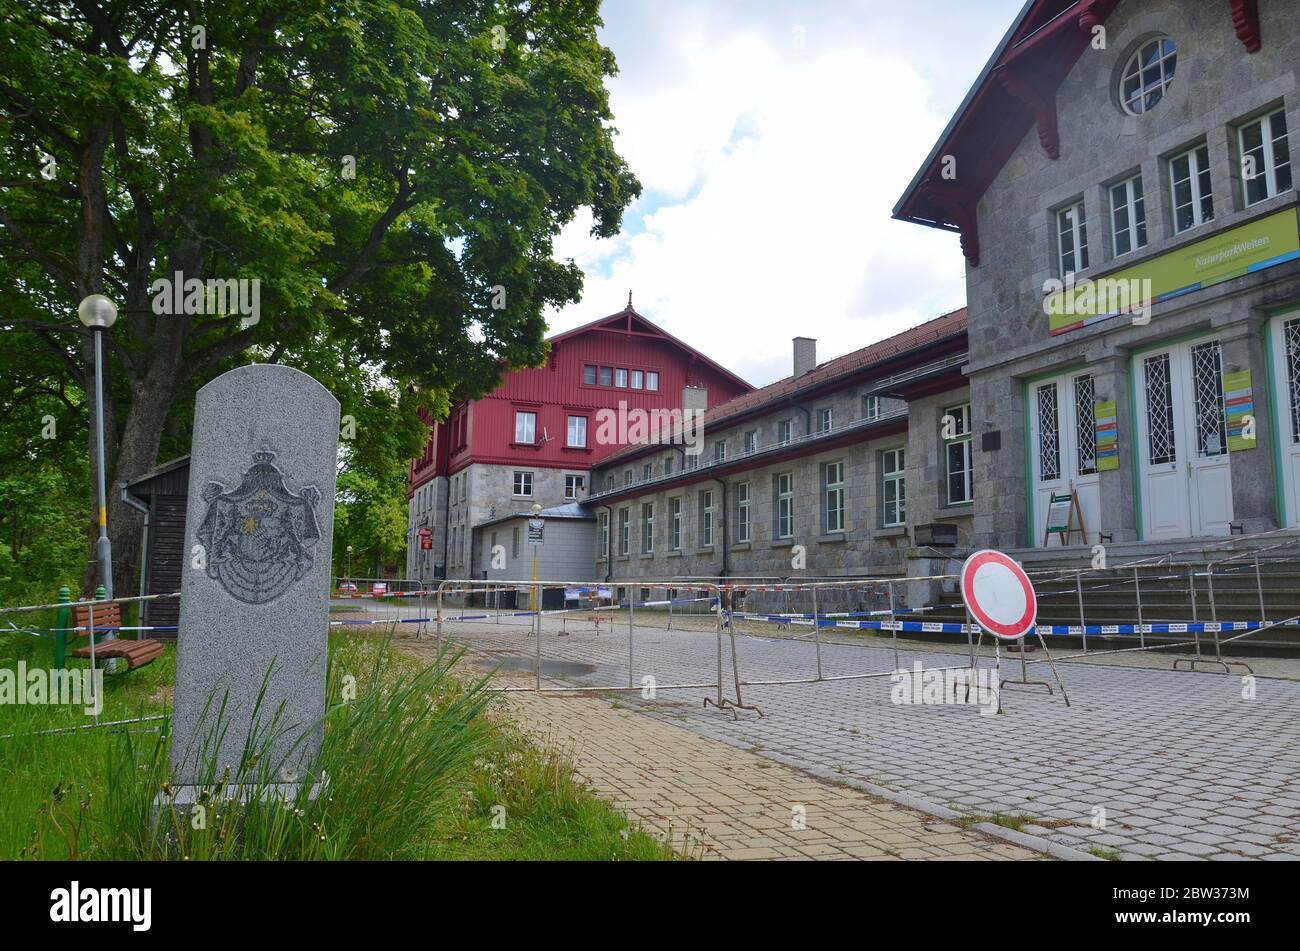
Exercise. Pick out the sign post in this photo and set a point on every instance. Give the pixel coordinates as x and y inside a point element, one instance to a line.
<point>1000,597</point>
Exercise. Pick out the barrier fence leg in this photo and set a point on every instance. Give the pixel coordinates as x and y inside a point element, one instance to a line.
<point>631,609</point>
<point>438,622</point>
<point>817,638</point>
<point>537,621</point>
<point>1083,623</point>
<point>893,623</point>
<point>1259,586</point>
<point>1056,676</point>
<point>1137,590</point>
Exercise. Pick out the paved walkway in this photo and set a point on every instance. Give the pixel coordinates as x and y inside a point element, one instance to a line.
<point>717,801</point>
<point>1146,763</point>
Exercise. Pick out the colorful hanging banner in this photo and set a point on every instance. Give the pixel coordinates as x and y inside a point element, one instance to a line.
<point>1239,405</point>
<point>1107,435</point>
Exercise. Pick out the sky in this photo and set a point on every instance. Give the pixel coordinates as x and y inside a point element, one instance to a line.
<point>772,139</point>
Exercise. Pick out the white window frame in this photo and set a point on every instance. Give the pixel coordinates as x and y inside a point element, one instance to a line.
<point>742,513</point>
<point>624,531</point>
<point>825,420</point>
<point>751,441</point>
<point>525,427</point>
<point>1200,193</point>
<point>573,484</point>
<point>893,471</point>
<point>675,523</point>
<point>577,432</point>
<point>784,431</point>
<point>647,528</point>
<point>720,451</point>
<point>833,498</point>
<point>523,481</point>
<point>783,505</point>
<point>1133,205</point>
<point>961,413</point>
<point>652,380</point>
<point>871,407</point>
<point>1135,103</point>
<point>1268,145</point>
<point>638,379</point>
<point>604,534</point>
<point>620,377</point>
<point>706,518</point>
<point>1072,220</point>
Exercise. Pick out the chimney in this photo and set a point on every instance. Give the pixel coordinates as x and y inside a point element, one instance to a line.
<point>805,355</point>
<point>695,397</point>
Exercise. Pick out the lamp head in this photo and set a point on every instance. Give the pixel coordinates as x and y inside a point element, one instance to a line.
<point>97,312</point>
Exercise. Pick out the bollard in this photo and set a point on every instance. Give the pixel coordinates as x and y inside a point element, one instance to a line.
<point>62,621</point>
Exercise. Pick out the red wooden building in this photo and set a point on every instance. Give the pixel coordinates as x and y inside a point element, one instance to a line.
<point>533,440</point>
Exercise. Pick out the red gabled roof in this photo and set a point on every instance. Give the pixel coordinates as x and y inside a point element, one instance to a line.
<point>875,356</point>
<point>628,321</point>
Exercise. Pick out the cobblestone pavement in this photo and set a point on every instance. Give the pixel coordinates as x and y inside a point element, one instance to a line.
<point>719,802</point>
<point>1177,764</point>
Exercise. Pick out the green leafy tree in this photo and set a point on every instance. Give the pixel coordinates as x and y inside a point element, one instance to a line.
<point>391,173</point>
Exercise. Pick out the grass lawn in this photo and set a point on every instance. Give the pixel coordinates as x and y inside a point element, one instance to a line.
<point>420,766</point>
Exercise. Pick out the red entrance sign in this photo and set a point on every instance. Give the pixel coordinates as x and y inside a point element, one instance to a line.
<point>998,594</point>
<point>426,543</point>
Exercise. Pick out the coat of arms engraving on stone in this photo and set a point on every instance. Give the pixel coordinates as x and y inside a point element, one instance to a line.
<point>259,536</point>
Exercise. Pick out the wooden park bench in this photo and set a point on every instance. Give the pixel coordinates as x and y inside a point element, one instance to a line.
<point>135,653</point>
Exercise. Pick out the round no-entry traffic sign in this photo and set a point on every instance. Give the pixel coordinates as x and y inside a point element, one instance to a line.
<point>998,594</point>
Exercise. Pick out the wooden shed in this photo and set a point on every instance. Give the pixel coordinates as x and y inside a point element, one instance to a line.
<point>163,492</point>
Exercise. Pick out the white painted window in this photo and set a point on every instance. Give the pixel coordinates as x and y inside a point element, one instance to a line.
<point>573,485</point>
<point>783,505</point>
<point>720,451</point>
<point>604,534</point>
<point>832,497</point>
<point>751,440</point>
<point>624,530</point>
<point>742,512</point>
<point>620,377</point>
<point>525,427</point>
<point>638,380</point>
<point>893,488</point>
<point>647,528</point>
<point>523,484</point>
<point>577,432</point>
<point>870,407</point>
<point>647,472</point>
<point>783,432</point>
<point>824,420</point>
<point>675,524</point>
<point>1071,239</point>
<point>706,518</point>
<point>651,380</point>
<point>1147,75</point>
<point>1189,183</point>
<point>1265,157</point>
<point>1128,216</point>
<point>958,462</point>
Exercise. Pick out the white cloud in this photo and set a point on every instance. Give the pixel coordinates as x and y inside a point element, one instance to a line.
<point>770,171</point>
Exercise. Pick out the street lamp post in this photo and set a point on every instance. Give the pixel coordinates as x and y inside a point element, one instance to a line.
<point>537,509</point>
<point>98,313</point>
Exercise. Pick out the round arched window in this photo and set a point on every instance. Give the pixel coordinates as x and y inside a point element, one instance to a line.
<point>1147,75</point>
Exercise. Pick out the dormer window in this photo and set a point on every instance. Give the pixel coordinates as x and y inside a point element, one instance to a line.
<point>1147,75</point>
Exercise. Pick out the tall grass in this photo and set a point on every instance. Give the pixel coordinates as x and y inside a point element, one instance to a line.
<point>411,766</point>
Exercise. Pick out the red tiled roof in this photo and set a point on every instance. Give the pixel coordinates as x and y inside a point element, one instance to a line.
<point>876,355</point>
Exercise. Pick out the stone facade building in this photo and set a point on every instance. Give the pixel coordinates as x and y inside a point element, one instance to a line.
<point>818,475</point>
<point>1141,149</point>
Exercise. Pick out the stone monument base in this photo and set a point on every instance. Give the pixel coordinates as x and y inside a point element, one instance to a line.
<point>187,797</point>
